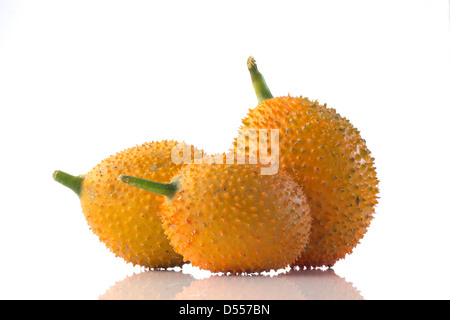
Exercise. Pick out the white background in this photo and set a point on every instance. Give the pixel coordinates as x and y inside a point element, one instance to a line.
<point>80,80</point>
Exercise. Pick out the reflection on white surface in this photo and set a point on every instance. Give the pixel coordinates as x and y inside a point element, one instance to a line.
<point>149,285</point>
<point>323,285</point>
<point>292,285</point>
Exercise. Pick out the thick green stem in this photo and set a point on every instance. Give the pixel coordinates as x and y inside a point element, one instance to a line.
<point>259,84</point>
<point>74,183</point>
<point>166,189</point>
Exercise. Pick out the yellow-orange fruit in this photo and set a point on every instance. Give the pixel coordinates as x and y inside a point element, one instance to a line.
<point>230,218</point>
<point>326,156</point>
<point>124,218</point>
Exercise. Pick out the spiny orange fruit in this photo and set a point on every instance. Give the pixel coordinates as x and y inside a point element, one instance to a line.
<point>326,156</point>
<point>230,218</point>
<point>124,218</point>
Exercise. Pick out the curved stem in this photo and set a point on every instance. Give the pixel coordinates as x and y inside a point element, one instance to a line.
<point>259,84</point>
<point>166,189</point>
<point>74,183</point>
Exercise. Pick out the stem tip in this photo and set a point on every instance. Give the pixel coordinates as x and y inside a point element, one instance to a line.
<point>74,183</point>
<point>251,63</point>
<point>259,84</point>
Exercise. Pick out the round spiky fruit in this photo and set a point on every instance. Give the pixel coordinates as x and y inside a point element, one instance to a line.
<point>124,218</point>
<point>327,157</point>
<point>230,218</point>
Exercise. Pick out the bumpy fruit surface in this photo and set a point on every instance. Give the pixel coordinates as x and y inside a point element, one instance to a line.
<point>125,218</point>
<point>229,217</point>
<point>327,157</point>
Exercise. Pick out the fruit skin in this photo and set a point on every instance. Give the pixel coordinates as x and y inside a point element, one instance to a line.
<point>229,218</point>
<point>327,157</point>
<point>124,218</point>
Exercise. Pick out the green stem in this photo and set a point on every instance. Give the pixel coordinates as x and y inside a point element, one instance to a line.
<point>259,84</point>
<point>74,183</point>
<point>166,189</point>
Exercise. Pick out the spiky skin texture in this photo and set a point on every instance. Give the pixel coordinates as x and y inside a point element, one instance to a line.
<point>125,218</point>
<point>327,157</point>
<point>229,218</point>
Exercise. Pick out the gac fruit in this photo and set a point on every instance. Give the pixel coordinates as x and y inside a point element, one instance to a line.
<point>326,156</point>
<point>230,218</point>
<point>124,218</point>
